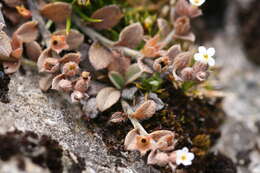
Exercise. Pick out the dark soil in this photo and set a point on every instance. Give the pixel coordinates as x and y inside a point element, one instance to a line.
<point>215,163</point>
<point>249,20</point>
<point>193,119</point>
<point>28,144</point>
<point>4,81</point>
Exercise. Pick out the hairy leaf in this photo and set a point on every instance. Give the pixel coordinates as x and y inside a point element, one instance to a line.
<point>27,32</point>
<point>133,73</point>
<point>117,79</point>
<point>110,16</point>
<point>107,97</point>
<point>131,36</point>
<point>57,11</point>
<point>99,56</point>
<point>146,110</point>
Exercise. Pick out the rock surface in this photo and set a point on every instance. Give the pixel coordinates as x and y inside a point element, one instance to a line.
<point>241,83</point>
<point>48,114</point>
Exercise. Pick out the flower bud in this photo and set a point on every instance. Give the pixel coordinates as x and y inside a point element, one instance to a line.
<point>65,85</point>
<point>182,60</point>
<point>152,47</point>
<point>201,76</point>
<point>161,64</point>
<point>85,75</point>
<point>59,43</point>
<point>199,66</point>
<point>182,25</point>
<point>187,74</point>
<point>50,65</point>
<point>70,69</point>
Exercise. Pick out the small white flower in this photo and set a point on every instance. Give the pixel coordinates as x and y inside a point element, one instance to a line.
<point>205,56</point>
<point>184,157</point>
<point>197,2</point>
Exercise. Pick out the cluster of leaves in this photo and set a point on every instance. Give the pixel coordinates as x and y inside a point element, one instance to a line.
<point>100,75</point>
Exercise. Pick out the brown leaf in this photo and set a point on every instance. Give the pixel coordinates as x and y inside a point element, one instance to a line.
<point>99,56</point>
<point>61,83</point>
<point>107,97</point>
<point>146,110</point>
<point>164,139</point>
<point>70,57</point>
<point>152,47</point>
<point>188,37</point>
<point>57,11</point>
<point>17,47</point>
<point>164,27</point>
<point>5,46</point>
<point>143,66</point>
<point>118,117</point>
<point>173,51</point>
<point>47,53</point>
<point>183,8</point>
<point>74,39</point>
<point>11,67</point>
<point>122,63</point>
<point>158,158</point>
<point>46,82</point>
<point>110,16</point>
<point>27,32</point>
<point>33,50</point>
<point>131,36</point>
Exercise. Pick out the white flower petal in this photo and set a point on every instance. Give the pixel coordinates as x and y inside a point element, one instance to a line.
<point>187,163</point>
<point>190,156</point>
<point>211,51</point>
<point>202,50</point>
<point>185,149</point>
<point>198,56</point>
<point>197,2</point>
<point>211,61</point>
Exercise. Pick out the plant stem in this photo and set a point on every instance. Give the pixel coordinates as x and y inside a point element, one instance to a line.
<point>29,63</point>
<point>127,109</point>
<point>106,42</point>
<point>92,34</point>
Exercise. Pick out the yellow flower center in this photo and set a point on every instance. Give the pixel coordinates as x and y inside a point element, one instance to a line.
<point>206,56</point>
<point>183,157</point>
<point>72,67</point>
<point>197,1</point>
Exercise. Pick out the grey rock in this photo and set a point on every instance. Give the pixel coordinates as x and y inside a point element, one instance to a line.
<point>49,114</point>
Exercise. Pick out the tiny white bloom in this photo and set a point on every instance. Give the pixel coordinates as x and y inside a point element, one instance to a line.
<point>184,157</point>
<point>205,56</point>
<point>197,2</point>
